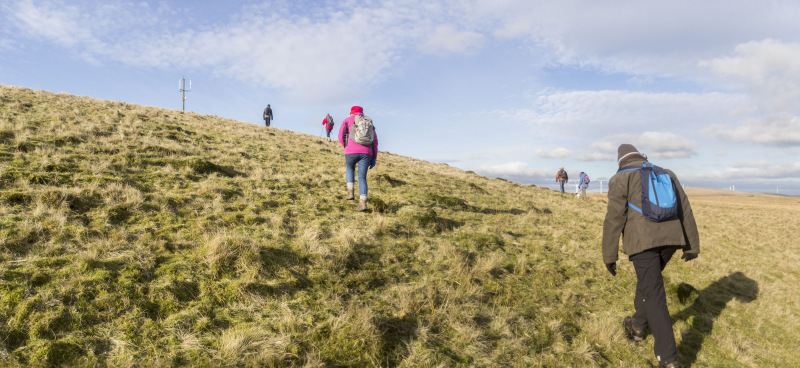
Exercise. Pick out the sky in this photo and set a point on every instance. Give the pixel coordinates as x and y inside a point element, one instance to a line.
<point>512,89</point>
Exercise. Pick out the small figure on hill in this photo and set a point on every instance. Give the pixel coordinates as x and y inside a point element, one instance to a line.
<point>328,123</point>
<point>360,141</point>
<point>268,115</point>
<point>583,184</point>
<point>562,178</point>
<point>653,232</point>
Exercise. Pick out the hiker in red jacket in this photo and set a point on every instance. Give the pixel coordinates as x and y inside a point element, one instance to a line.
<point>328,123</point>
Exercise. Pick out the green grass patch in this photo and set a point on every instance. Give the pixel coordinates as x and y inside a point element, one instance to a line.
<point>139,236</point>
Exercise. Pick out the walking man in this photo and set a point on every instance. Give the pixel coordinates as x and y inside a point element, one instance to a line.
<point>562,178</point>
<point>268,115</point>
<point>649,244</point>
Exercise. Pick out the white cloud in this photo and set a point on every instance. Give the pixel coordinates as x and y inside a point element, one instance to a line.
<point>750,170</point>
<point>559,152</point>
<point>514,169</point>
<point>769,71</point>
<point>597,156</point>
<point>328,51</point>
<point>447,39</point>
<point>666,145</point>
<point>317,59</point>
<point>59,24</point>
<point>653,144</point>
<point>780,130</point>
<point>596,113</point>
<point>663,38</point>
<point>314,53</point>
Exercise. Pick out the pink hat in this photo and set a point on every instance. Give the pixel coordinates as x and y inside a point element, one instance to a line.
<point>356,109</point>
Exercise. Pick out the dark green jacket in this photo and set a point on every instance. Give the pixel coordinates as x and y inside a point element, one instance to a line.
<point>638,233</point>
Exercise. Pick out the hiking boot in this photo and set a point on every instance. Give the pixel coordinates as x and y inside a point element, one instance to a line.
<point>362,205</point>
<point>350,196</point>
<point>669,365</point>
<point>635,333</point>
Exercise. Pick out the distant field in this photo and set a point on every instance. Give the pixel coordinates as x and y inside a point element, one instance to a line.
<point>692,191</point>
<point>726,193</point>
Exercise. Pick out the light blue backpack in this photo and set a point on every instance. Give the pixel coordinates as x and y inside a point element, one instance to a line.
<point>659,202</point>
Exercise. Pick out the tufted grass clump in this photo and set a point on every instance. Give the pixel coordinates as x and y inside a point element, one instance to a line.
<point>137,236</point>
<point>447,201</point>
<point>431,220</point>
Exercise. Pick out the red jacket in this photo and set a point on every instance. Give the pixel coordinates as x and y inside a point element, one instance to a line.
<point>325,123</point>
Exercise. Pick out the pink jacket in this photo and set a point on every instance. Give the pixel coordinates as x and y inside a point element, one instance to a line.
<point>352,146</point>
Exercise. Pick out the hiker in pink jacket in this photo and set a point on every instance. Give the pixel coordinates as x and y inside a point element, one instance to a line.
<point>354,153</point>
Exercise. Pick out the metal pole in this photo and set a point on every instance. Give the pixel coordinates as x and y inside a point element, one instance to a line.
<point>182,88</point>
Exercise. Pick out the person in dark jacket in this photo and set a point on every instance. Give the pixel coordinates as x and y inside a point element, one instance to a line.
<point>649,245</point>
<point>268,115</point>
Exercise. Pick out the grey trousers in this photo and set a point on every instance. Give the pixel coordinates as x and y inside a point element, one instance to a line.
<point>651,301</point>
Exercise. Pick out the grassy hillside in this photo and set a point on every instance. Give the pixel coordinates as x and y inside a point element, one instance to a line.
<point>139,236</point>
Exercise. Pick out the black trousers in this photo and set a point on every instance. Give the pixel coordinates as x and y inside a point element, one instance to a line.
<point>651,301</point>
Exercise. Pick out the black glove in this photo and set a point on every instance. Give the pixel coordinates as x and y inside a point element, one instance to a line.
<point>686,257</point>
<point>372,164</point>
<point>612,268</point>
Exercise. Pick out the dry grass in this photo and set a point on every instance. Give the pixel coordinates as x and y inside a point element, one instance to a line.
<point>136,236</point>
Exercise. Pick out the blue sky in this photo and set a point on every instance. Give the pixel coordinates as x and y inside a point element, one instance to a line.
<point>505,88</point>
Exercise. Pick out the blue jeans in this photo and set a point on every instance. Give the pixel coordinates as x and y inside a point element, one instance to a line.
<point>561,182</point>
<point>363,160</point>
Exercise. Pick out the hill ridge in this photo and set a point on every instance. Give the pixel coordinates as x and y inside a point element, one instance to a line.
<point>136,235</point>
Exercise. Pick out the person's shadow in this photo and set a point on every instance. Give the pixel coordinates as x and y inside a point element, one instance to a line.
<point>708,305</point>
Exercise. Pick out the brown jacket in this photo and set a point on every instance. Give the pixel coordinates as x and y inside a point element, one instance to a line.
<point>638,233</point>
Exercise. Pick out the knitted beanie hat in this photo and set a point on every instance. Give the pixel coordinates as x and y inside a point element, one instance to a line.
<point>356,109</point>
<point>624,151</point>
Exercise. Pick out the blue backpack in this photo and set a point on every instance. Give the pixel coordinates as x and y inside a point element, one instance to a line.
<point>659,202</point>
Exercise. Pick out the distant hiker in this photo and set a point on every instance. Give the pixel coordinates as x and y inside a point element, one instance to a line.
<point>328,123</point>
<point>562,178</point>
<point>268,115</point>
<point>651,233</point>
<point>360,141</point>
<point>583,183</point>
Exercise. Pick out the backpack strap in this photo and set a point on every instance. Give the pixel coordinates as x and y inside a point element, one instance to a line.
<point>631,205</point>
<point>631,168</point>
